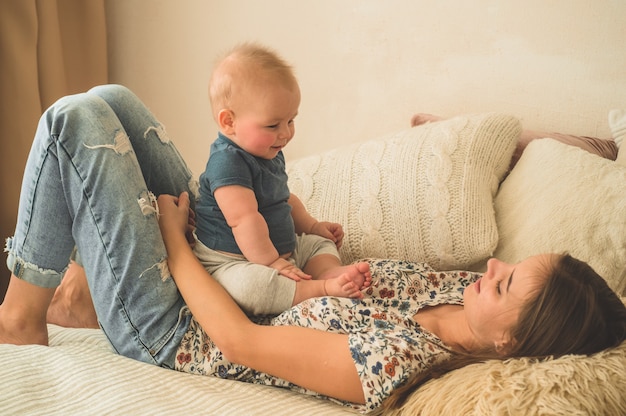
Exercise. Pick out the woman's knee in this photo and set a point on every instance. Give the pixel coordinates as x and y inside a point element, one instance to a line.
<point>110,92</point>
<point>74,102</point>
<point>73,109</point>
<point>124,103</point>
<point>80,118</point>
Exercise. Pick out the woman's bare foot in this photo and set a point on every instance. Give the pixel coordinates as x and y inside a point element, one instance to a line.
<point>17,331</point>
<point>71,306</point>
<point>23,313</point>
<point>421,118</point>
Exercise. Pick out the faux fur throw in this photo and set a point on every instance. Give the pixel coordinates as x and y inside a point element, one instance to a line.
<point>571,385</point>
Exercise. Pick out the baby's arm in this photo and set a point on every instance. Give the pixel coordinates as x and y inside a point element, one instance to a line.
<point>241,210</point>
<point>305,223</point>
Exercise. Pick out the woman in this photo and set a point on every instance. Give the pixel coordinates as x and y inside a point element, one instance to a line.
<point>97,162</point>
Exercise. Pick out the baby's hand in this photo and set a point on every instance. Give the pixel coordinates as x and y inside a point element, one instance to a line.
<point>289,270</point>
<point>330,230</point>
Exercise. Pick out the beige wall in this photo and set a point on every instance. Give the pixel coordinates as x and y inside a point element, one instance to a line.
<point>366,66</point>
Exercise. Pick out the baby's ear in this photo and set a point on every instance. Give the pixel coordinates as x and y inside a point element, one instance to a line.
<point>226,121</point>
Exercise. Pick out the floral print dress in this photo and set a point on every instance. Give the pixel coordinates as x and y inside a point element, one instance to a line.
<point>386,343</point>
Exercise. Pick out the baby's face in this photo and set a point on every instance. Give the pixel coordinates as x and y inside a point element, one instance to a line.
<point>263,121</point>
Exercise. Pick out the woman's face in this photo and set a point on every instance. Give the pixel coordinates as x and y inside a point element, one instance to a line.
<point>493,303</point>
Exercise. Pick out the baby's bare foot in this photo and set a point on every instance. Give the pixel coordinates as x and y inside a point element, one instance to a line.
<point>363,268</point>
<point>348,281</point>
<point>359,273</point>
<point>342,286</point>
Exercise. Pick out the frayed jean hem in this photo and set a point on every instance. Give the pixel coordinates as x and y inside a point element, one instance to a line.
<point>30,272</point>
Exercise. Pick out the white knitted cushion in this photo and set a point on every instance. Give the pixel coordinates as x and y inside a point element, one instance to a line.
<point>423,194</point>
<point>561,198</point>
<point>617,123</point>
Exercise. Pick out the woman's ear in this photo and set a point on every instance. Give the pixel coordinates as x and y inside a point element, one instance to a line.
<point>226,121</point>
<point>504,346</point>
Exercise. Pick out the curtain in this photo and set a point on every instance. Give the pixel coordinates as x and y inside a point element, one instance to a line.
<point>48,49</point>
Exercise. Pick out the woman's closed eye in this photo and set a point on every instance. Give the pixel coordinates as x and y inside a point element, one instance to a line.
<point>510,279</point>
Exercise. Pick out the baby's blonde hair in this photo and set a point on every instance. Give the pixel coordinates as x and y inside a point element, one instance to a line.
<point>243,66</point>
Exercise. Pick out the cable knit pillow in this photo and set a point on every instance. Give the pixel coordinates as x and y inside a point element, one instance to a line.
<point>561,198</point>
<point>423,194</point>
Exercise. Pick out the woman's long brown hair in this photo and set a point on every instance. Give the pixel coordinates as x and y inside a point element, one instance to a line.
<point>575,312</point>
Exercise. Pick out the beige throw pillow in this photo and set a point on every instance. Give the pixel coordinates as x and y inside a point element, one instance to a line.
<point>423,194</point>
<point>617,124</point>
<point>561,198</point>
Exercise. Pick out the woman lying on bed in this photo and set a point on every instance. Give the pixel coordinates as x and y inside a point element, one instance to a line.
<point>97,161</point>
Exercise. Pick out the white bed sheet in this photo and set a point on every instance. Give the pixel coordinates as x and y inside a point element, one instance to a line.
<point>80,374</point>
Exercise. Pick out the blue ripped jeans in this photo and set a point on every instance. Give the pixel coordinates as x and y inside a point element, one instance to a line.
<point>96,164</point>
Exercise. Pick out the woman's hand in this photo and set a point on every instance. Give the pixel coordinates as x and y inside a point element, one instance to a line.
<point>175,217</point>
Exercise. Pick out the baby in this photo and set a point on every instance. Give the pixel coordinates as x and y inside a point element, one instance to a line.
<point>254,236</point>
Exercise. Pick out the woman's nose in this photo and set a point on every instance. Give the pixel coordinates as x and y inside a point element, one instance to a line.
<point>493,264</point>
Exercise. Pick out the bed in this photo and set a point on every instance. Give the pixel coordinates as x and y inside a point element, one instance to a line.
<point>450,193</point>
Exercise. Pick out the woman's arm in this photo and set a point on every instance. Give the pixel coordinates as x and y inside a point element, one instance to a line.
<point>317,360</point>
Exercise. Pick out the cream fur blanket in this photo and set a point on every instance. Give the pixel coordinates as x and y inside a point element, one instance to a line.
<point>571,385</point>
